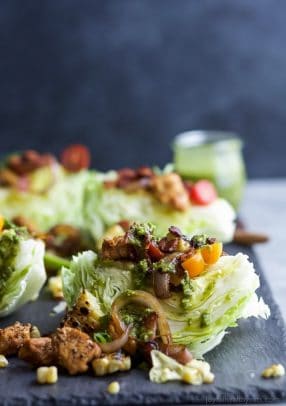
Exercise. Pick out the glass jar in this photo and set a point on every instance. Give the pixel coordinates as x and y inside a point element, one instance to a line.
<point>213,155</point>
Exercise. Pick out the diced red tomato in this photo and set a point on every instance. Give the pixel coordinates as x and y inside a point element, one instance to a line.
<point>75,158</point>
<point>203,192</point>
<point>155,253</point>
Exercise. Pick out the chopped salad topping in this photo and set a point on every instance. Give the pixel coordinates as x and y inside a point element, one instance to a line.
<point>168,188</point>
<point>18,169</point>
<point>173,255</point>
<point>75,158</point>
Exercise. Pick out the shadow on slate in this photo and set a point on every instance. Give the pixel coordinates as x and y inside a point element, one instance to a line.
<point>237,364</point>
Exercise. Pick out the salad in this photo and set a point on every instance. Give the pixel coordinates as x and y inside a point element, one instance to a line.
<point>40,188</point>
<point>161,197</point>
<point>36,192</point>
<point>198,289</point>
<point>164,301</point>
<point>44,192</point>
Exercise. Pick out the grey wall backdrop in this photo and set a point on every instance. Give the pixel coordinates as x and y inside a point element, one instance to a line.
<point>125,76</point>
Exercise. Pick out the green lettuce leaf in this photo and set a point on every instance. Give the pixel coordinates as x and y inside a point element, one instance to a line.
<point>103,280</point>
<point>105,207</point>
<point>22,271</point>
<point>198,316</point>
<point>214,301</point>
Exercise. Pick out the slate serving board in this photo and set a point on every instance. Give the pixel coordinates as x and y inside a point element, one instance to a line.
<point>237,364</point>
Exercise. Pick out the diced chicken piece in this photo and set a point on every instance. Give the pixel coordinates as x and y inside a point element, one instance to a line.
<point>13,337</point>
<point>74,349</point>
<point>113,231</point>
<point>85,315</point>
<point>118,248</point>
<point>38,352</point>
<point>169,189</point>
<point>111,363</point>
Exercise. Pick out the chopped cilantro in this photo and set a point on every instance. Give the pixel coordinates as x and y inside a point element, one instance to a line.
<point>165,265</point>
<point>102,337</point>
<point>199,240</point>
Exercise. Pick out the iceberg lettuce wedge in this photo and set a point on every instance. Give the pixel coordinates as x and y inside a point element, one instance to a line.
<point>60,202</point>
<point>213,302</point>
<point>106,207</point>
<point>22,271</point>
<point>199,315</point>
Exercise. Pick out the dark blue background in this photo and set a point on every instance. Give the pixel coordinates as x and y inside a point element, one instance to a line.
<point>125,76</point>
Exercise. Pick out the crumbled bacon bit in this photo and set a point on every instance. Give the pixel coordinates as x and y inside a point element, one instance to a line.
<point>134,179</point>
<point>125,177</point>
<point>118,248</point>
<point>145,172</point>
<point>8,178</point>
<point>28,161</point>
<point>22,221</point>
<point>64,239</point>
<point>168,188</point>
<point>169,245</point>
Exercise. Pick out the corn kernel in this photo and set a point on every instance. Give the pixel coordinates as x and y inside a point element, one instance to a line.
<point>55,286</point>
<point>35,332</point>
<point>274,371</point>
<point>113,388</point>
<point>192,376</point>
<point>100,366</point>
<point>113,366</point>
<point>47,375</point>
<point>3,361</point>
<point>209,378</point>
<point>109,365</point>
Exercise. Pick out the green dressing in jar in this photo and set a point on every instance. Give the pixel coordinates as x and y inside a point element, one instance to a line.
<point>213,155</point>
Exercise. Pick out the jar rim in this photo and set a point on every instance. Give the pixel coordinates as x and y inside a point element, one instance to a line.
<point>195,138</point>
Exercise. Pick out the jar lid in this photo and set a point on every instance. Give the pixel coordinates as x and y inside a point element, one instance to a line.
<point>195,138</point>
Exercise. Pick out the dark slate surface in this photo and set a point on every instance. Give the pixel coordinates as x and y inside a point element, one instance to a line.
<point>247,350</point>
<point>128,75</point>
